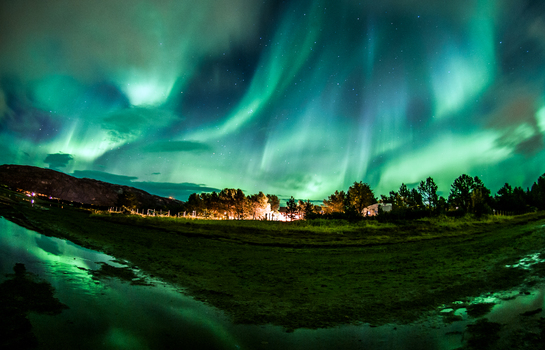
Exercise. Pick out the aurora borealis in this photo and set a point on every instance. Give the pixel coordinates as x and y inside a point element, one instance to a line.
<point>296,98</point>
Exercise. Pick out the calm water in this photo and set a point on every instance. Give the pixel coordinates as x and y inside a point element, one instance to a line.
<point>113,314</point>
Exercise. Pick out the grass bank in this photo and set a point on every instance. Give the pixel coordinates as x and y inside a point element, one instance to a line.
<point>309,275</point>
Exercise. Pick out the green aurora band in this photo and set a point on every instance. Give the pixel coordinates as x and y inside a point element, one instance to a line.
<point>294,99</point>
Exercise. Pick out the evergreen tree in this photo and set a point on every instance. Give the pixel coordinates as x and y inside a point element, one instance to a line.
<point>194,203</point>
<point>505,198</point>
<point>481,200</point>
<point>460,193</point>
<point>514,200</point>
<point>415,199</point>
<point>428,192</point>
<point>404,196</point>
<point>307,209</point>
<point>291,208</point>
<point>537,193</point>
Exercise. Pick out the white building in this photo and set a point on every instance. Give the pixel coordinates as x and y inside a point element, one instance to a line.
<point>372,210</point>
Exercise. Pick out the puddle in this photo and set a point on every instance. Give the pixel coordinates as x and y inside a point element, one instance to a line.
<point>528,261</point>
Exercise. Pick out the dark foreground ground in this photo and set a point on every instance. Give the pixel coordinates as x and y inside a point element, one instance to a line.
<point>345,279</point>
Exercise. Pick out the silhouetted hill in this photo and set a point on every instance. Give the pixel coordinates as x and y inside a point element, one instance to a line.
<point>88,191</point>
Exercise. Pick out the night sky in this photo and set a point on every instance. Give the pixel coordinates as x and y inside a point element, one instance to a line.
<point>296,98</point>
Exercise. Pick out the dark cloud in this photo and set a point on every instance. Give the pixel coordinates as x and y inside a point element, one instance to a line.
<point>530,146</point>
<point>89,38</point>
<point>515,118</point>
<point>58,160</point>
<point>132,123</point>
<point>285,198</point>
<point>109,94</point>
<point>31,124</point>
<point>419,111</point>
<point>164,189</point>
<point>125,124</point>
<point>18,115</point>
<point>106,177</point>
<point>177,190</point>
<point>290,181</point>
<point>3,104</point>
<point>178,146</point>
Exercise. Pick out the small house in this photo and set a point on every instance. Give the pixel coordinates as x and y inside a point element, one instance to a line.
<point>373,209</point>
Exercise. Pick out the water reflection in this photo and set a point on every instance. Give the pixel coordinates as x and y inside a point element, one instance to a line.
<point>109,313</point>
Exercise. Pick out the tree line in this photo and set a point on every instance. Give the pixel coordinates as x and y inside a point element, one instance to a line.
<point>467,195</point>
<point>232,203</point>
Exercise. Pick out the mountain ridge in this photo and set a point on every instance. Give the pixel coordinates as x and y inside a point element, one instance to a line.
<point>53,183</point>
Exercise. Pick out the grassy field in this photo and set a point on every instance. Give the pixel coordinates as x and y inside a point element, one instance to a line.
<point>302,274</point>
<point>314,233</point>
